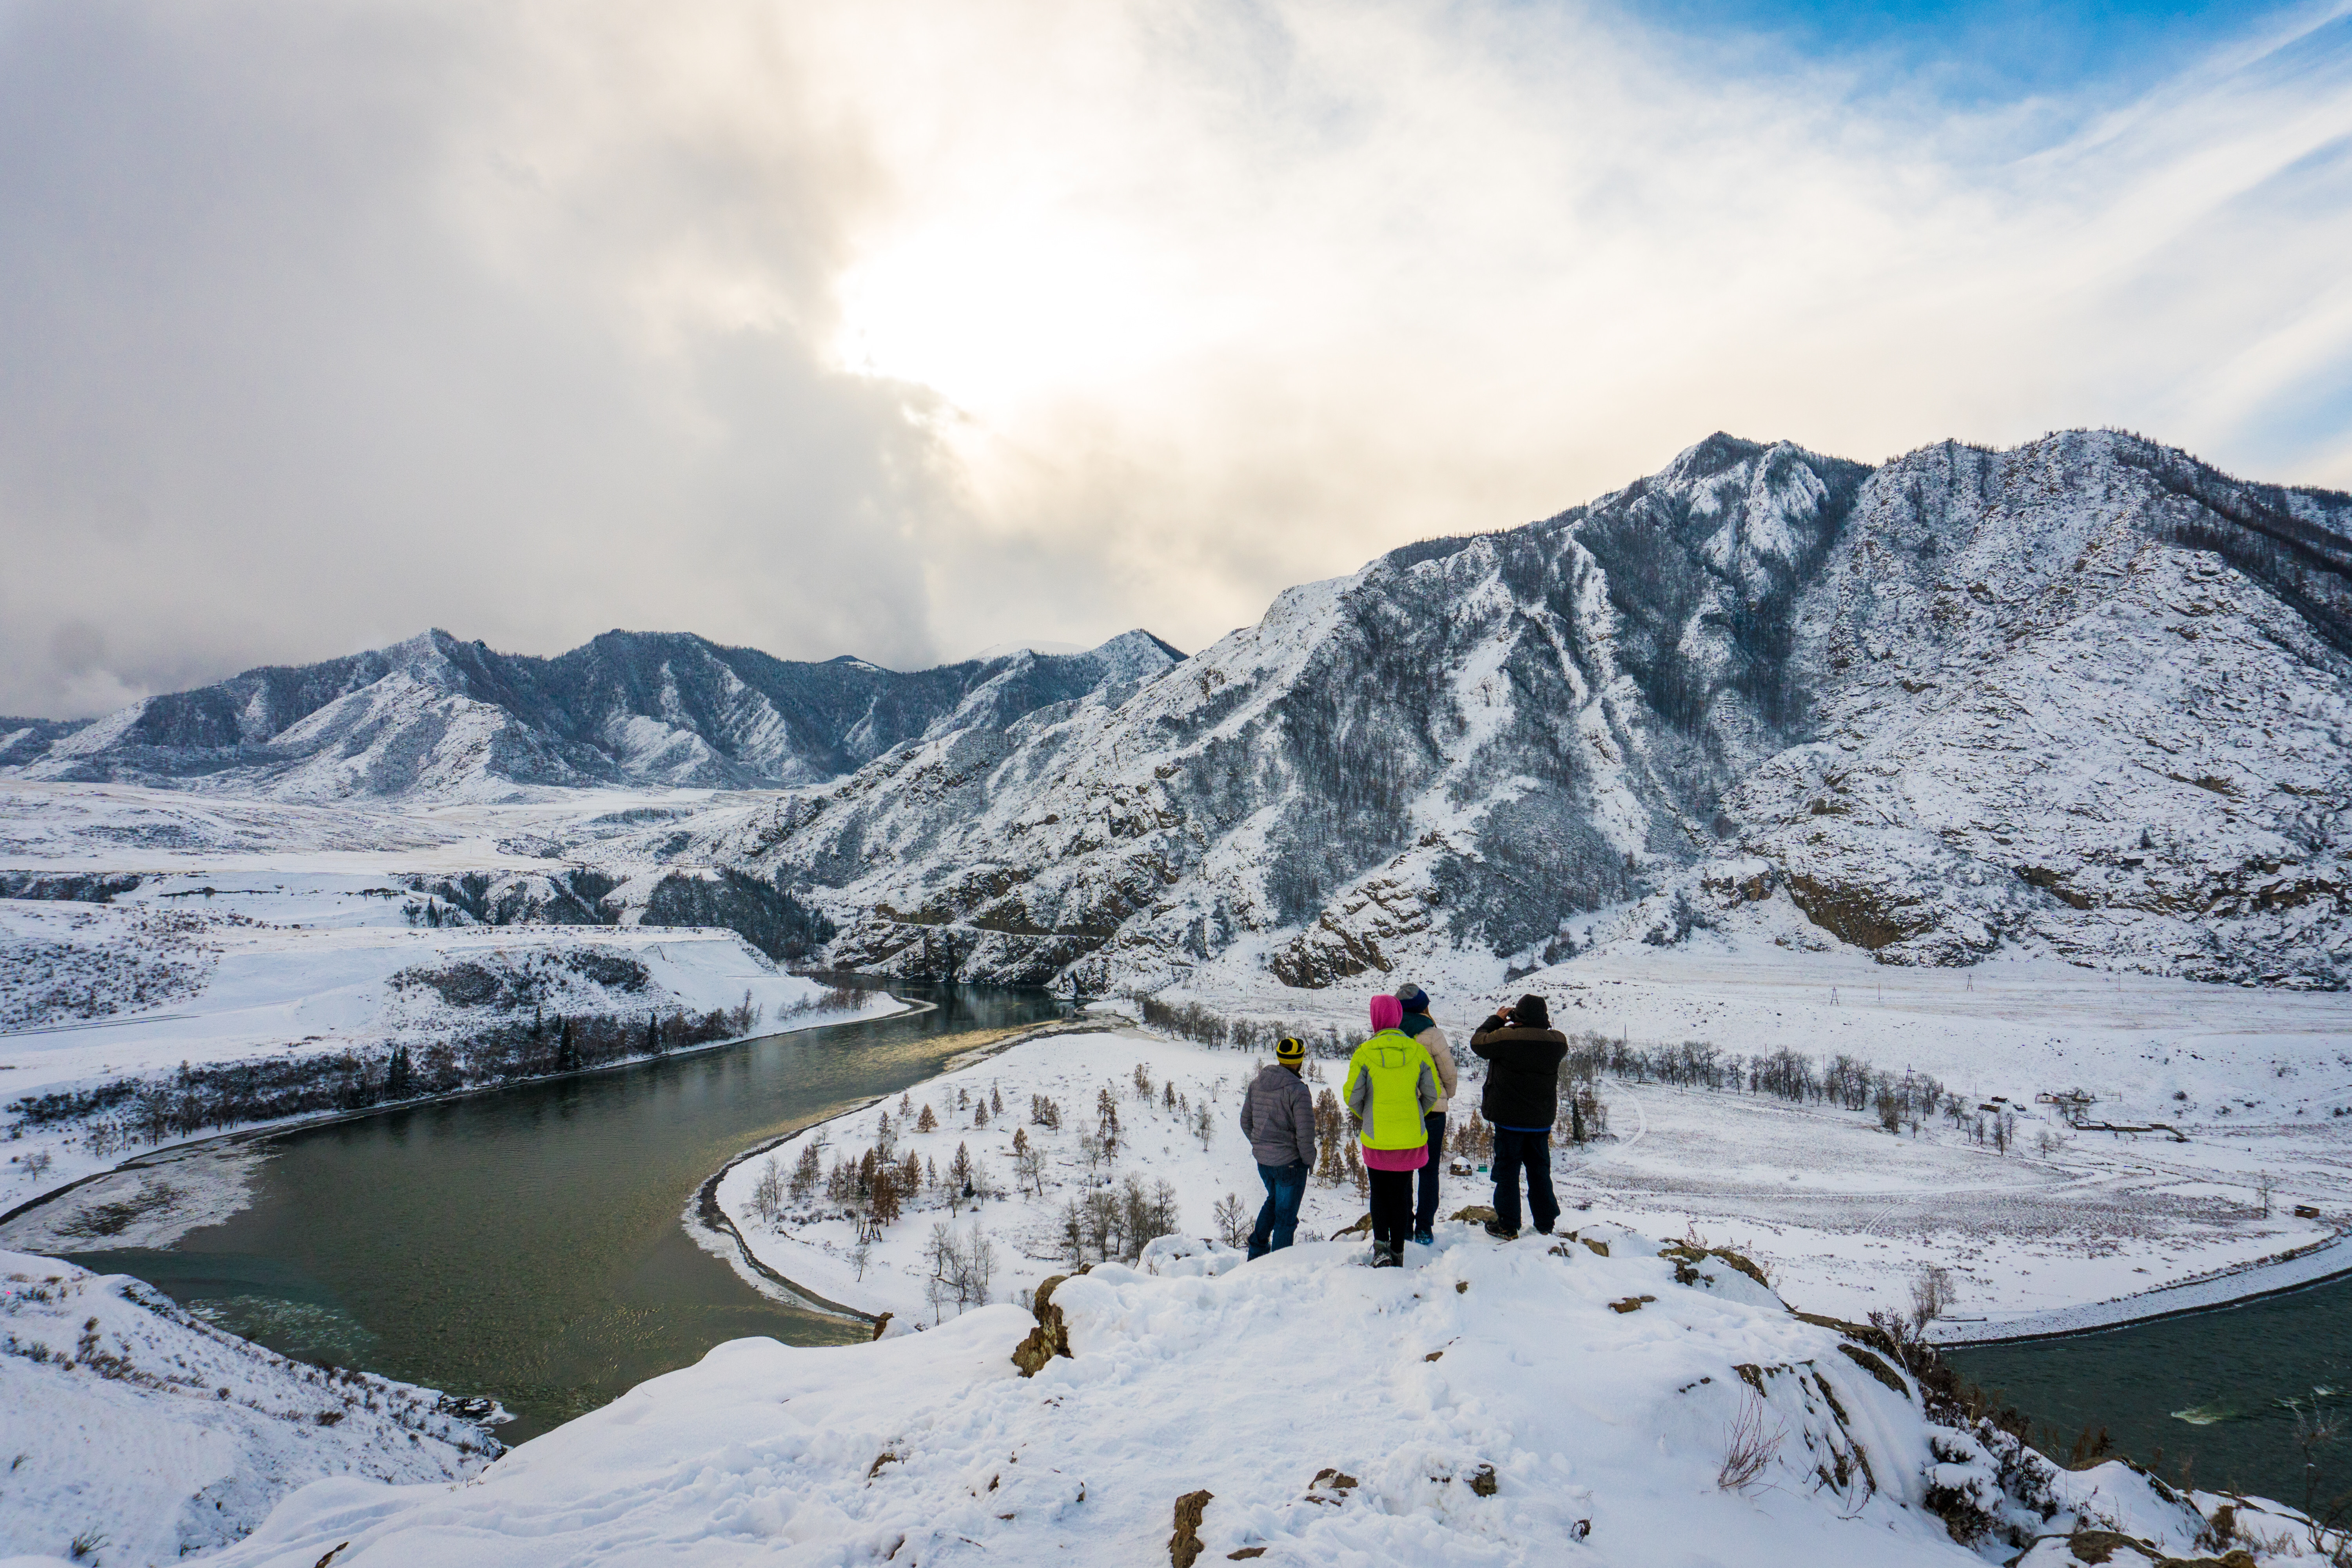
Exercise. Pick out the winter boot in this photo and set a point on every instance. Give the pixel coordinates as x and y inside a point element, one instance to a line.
<point>1423,1238</point>
<point>1383,1258</point>
<point>1495,1229</point>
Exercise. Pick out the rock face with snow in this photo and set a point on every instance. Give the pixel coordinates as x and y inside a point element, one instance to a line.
<point>137,1426</point>
<point>2087,697</point>
<point>438,717</point>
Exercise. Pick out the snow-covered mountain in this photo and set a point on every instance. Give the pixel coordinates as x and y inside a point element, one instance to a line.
<point>2087,697</point>
<point>450,719</point>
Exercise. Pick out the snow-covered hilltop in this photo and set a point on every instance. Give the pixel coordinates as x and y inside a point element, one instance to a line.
<point>2086,698</point>
<point>1589,1400</point>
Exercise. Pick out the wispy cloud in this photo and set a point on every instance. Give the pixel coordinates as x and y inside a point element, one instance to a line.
<point>905,327</point>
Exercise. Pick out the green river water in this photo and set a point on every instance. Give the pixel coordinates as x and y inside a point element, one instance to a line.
<point>526,1243</point>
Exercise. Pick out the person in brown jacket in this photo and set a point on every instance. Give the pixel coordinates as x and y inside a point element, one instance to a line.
<point>1522,1097</point>
<point>1423,1028</point>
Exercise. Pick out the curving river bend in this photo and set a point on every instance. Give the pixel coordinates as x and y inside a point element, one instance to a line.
<point>526,1243</point>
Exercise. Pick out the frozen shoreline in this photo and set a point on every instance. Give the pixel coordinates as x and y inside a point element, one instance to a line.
<point>2282,1275</point>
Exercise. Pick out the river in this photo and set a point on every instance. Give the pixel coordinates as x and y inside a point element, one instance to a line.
<point>2214,1394</point>
<point>526,1243</point>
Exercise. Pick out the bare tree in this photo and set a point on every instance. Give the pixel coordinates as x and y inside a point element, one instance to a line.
<point>1029,1168</point>
<point>1749,1444</point>
<point>1234,1221</point>
<point>768,1192</point>
<point>1931,1297</point>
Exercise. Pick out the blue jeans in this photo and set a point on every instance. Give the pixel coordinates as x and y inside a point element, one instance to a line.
<point>1286,1189</point>
<point>1533,1151</point>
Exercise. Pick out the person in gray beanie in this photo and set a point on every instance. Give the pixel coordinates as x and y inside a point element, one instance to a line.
<point>1423,1028</point>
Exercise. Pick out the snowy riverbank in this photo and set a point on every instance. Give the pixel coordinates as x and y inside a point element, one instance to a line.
<point>312,1011</point>
<point>132,1424</point>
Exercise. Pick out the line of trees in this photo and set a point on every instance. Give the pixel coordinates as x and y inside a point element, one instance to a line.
<point>1203,1025</point>
<point>1905,1101</point>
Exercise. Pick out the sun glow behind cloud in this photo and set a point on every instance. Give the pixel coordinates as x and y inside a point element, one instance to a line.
<point>912,326</point>
<point>1316,272</point>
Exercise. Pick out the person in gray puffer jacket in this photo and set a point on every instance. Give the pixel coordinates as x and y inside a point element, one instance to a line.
<point>1278,1119</point>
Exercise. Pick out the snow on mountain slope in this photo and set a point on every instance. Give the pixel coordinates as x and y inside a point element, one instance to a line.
<point>135,1426</point>
<point>1534,1402</point>
<point>2054,726</point>
<point>449,720</point>
<point>2087,697</point>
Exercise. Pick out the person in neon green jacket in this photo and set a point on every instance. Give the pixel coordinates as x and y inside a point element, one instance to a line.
<point>1391,1089</point>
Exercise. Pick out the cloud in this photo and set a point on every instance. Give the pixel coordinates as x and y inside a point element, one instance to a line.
<point>912,326</point>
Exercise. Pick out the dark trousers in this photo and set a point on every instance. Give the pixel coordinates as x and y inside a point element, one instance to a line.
<point>1277,1221</point>
<point>1424,1212</point>
<point>1391,1208</point>
<point>1532,1151</point>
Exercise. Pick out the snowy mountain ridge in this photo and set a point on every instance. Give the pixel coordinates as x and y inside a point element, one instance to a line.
<point>443,719</point>
<point>2086,698</point>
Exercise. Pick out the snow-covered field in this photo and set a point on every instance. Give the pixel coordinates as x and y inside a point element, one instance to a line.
<point>2255,1080</point>
<point>1531,1403</point>
<point>143,1433</point>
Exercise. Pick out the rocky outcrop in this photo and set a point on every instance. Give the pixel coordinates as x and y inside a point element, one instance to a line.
<point>1050,1338</point>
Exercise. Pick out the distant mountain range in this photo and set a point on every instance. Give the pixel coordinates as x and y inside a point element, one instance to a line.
<point>454,720</point>
<point>2088,698</point>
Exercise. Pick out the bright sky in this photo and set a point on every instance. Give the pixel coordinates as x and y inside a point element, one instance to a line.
<point>911,326</point>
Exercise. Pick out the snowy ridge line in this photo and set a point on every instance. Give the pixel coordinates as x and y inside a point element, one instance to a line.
<point>166,1153</point>
<point>704,1209</point>
<point>2298,1270</point>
